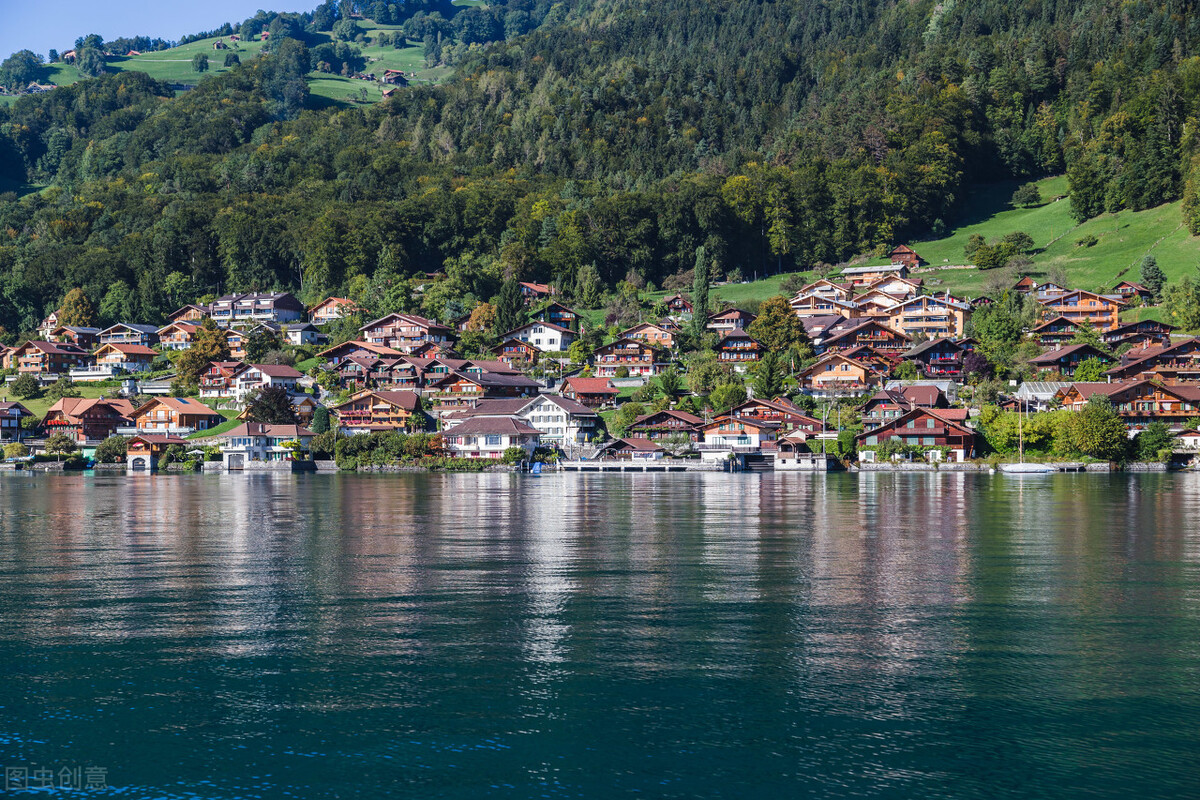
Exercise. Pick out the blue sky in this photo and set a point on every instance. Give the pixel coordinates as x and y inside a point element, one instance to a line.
<point>39,26</point>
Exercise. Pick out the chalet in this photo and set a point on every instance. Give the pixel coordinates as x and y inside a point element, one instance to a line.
<point>1139,334</point>
<point>657,335</point>
<point>823,287</point>
<point>678,304</point>
<point>731,319</point>
<point>533,292</point>
<point>1049,290</point>
<point>394,77</point>
<point>181,415</point>
<point>130,333</point>
<point>489,437</point>
<point>1025,285</point>
<point>862,276</point>
<point>144,451</point>
<point>896,286</point>
<point>780,410</point>
<point>1055,332</point>
<point>864,332</point>
<point>371,410</point>
<point>1138,402</point>
<point>817,327</point>
<point>404,332</point>
<point>924,427</point>
<point>591,392</point>
<point>1127,290</point>
<point>237,343</point>
<point>739,433</point>
<point>877,301</point>
<point>937,358</point>
<point>301,334</point>
<point>665,423</point>
<point>457,390</point>
<point>47,326</point>
<point>929,316</point>
<point>189,313</point>
<point>515,352</point>
<point>82,337</point>
<point>836,374</point>
<point>639,358</point>
<point>1065,360</point>
<point>277,307</point>
<point>251,377</point>
<point>339,352</point>
<point>738,348</point>
<point>559,420</point>
<point>11,415</point>
<point>1173,364</point>
<point>87,419</point>
<point>217,378</point>
<point>817,306</point>
<point>558,314</point>
<point>981,301</point>
<point>256,441</point>
<point>903,254</point>
<point>332,309</point>
<point>631,448</point>
<point>545,336</point>
<point>1081,306</point>
<point>117,359</point>
<point>49,358</point>
<point>888,404</point>
<point>434,350</point>
<point>177,335</point>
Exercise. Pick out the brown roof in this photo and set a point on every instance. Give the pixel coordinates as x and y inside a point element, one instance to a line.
<point>491,425</point>
<point>690,419</point>
<point>261,429</point>
<point>129,349</point>
<point>592,385</point>
<point>277,370</point>
<point>634,443</point>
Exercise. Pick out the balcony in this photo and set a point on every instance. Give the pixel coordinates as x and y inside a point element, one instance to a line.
<point>171,430</point>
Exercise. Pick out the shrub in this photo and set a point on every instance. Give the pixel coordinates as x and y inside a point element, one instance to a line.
<point>15,450</point>
<point>514,455</point>
<point>112,450</point>
<point>622,372</point>
<point>1086,241</point>
<point>25,387</point>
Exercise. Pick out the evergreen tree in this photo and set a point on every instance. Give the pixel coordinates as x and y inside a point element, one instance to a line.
<point>700,293</point>
<point>271,405</point>
<point>768,379</point>
<point>320,420</point>
<point>1152,276</point>
<point>510,307</point>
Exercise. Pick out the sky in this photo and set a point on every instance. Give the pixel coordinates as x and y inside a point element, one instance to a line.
<point>44,24</point>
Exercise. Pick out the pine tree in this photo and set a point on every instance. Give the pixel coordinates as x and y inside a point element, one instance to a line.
<point>510,308</point>
<point>768,379</point>
<point>320,420</point>
<point>1152,276</point>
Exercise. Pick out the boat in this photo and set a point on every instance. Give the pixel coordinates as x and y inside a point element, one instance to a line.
<point>1021,468</point>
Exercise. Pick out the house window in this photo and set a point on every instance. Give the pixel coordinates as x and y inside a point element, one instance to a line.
<point>493,440</point>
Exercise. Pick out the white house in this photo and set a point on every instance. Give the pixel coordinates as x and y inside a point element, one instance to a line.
<point>559,420</point>
<point>254,441</point>
<point>260,376</point>
<point>489,437</point>
<point>545,336</point>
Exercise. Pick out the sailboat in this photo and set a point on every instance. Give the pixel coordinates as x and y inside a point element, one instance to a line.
<point>1021,467</point>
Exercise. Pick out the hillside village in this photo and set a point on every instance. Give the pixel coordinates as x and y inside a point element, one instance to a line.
<point>861,368</point>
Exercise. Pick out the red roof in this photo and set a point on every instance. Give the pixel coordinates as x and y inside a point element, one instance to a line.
<point>476,426</point>
<point>591,386</point>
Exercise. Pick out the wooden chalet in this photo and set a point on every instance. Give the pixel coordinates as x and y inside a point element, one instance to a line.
<point>740,434</point>
<point>85,338</point>
<point>1138,402</point>
<point>1081,306</point>
<point>336,354</point>
<point>814,305</point>
<point>1055,332</point>
<point>177,335</point>
<point>639,358</point>
<point>1065,360</point>
<point>631,448</point>
<point>11,415</point>
<point>903,254</point>
<point>937,358</point>
<point>787,414</point>
<point>924,427</point>
<point>458,389</point>
<point>656,334</point>
<point>1025,285</point>
<point>129,333</point>
<point>371,410</point>
<point>864,276</point>
<point>591,392</point>
<point>896,285</point>
<point>189,313</point>
<point>174,415</point>
<point>864,332</point>
<point>49,358</point>
<point>117,358</point>
<point>823,287</point>
<point>557,314</point>
<point>738,347</point>
<point>1173,364</point>
<point>515,352</point>
<point>332,309</point>
<point>1129,290</point>
<point>404,332</point>
<point>678,304</point>
<point>143,451</point>
<point>665,423</point>
<point>837,374</point>
<point>930,316</point>
<point>533,292</point>
<point>1139,334</point>
<point>731,319</point>
<point>87,419</point>
<point>888,404</point>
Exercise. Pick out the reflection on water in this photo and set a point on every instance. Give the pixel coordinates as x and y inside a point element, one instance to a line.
<point>702,635</point>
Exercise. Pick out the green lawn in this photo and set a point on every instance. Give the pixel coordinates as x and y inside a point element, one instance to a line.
<point>227,425</point>
<point>175,65</point>
<point>40,405</point>
<point>307,364</point>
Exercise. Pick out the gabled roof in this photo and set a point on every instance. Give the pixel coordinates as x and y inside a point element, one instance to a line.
<point>491,425</point>
<point>952,421</point>
<point>186,327</point>
<point>133,326</point>
<point>633,444</point>
<point>738,333</point>
<point>370,347</point>
<point>409,401</point>
<point>1158,353</point>
<point>1059,353</point>
<point>262,429</point>
<point>411,319</point>
<point>180,405</point>
<point>682,416</point>
<point>76,329</point>
<point>1056,320</point>
<point>73,408</point>
<point>1081,292</point>
<point>54,348</point>
<point>592,385</point>
<point>276,370</point>
<point>930,344</point>
<point>127,349</point>
<point>731,313</point>
<point>552,326</point>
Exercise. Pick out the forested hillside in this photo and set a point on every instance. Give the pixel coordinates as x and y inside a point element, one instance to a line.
<point>593,142</point>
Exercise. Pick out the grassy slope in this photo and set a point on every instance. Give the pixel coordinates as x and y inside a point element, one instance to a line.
<point>175,66</point>
<point>41,405</point>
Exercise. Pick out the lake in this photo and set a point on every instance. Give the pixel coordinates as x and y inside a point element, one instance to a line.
<point>598,636</point>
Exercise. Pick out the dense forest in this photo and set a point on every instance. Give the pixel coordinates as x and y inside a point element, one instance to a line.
<point>589,143</point>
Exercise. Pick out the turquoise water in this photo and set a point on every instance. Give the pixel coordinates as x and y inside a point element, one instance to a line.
<point>597,636</point>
